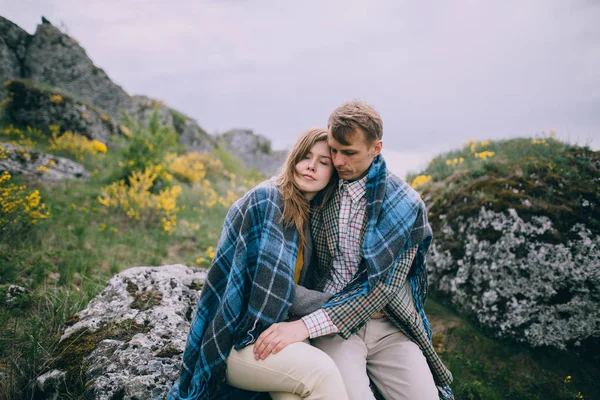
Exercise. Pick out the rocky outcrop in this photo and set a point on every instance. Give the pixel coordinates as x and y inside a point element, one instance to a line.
<point>21,160</point>
<point>128,342</point>
<point>53,58</point>
<point>52,63</point>
<point>517,240</point>
<point>31,105</point>
<point>13,45</point>
<point>253,150</point>
<point>517,282</point>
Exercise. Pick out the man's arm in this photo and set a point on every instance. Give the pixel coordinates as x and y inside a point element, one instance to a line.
<point>346,317</point>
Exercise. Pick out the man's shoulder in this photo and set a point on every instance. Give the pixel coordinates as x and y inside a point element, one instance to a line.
<point>397,188</point>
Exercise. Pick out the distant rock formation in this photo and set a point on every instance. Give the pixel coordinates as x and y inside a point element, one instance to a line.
<point>128,342</point>
<point>13,47</point>
<point>56,59</point>
<point>51,62</point>
<point>253,150</point>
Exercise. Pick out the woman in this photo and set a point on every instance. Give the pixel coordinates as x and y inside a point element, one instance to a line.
<point>251,285</point>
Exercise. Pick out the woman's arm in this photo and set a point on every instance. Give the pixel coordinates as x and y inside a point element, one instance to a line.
<point>307,301</point>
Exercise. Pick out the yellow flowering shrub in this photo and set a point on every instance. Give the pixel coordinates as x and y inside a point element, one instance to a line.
<point>77,145</point>
<point>484,154</point>
<point>420,180</point>
<point>189,167</point>
<point>138,203</point>
<point>539,141</point>
<point>26,138</point>
<point>20,208</point>
<point>455,161</point>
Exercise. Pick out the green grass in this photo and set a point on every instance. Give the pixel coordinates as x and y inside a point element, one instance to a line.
<point>66,260</point>
<point>485,368</point>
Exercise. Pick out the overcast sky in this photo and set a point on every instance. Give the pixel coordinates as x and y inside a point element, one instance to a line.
<point>439,72</point>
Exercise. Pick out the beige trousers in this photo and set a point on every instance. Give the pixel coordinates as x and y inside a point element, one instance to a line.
<point>380,351</point>
<point>299,371</point>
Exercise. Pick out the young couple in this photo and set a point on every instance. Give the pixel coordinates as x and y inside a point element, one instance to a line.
<point>332,250</point>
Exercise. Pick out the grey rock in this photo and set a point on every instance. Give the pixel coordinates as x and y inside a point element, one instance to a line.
<point>27,162</point>
<point>9,67</point>
<point>58,60</point>
<point>15,38</point>
<point>14,292</point>
<point>162,299</point>
<point>50,384</point>
<point>253,150</point>
<point>142,107</point>
<point>521,286</point>
<point>194,138</point>
<point>33,106</point>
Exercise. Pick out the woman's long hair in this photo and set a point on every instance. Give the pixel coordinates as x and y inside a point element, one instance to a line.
<point>296,208</point>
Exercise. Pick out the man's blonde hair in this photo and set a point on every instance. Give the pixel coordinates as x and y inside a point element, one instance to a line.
<point>353,115</point>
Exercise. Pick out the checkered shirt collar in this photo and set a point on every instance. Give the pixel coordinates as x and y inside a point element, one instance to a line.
<point>356,189</point>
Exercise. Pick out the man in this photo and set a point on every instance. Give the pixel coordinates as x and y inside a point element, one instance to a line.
<point>371,239</point>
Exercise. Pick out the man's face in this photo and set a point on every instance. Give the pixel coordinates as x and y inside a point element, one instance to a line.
<point>353,160</point>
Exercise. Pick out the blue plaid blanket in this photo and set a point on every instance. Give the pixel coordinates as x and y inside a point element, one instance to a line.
<point>249,287</point>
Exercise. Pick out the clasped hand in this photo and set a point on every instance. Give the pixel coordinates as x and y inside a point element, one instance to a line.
<point>277,336</point>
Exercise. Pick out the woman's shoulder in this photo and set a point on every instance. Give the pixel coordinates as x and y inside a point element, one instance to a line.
<point>266,190</point>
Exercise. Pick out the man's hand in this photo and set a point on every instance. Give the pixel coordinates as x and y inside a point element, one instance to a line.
<point>277,336</point>
<point>378,315</point>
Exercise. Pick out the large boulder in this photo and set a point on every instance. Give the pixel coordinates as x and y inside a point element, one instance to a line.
<point>517,240</point>
<point>53,58</point>
<point>128,342</point>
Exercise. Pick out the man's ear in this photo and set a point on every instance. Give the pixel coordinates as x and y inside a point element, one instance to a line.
<point>377,148</point>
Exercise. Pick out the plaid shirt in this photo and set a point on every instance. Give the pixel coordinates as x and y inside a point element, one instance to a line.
<point>345,263</point>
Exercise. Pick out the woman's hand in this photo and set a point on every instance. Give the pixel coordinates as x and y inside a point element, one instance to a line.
<point>277,336</point>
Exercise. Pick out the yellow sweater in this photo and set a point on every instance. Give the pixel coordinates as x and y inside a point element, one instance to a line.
<point>299,264</point>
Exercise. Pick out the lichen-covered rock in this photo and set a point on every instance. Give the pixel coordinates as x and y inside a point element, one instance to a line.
<point>133,334</point>
<point>517,239</point>
<point>38,107</point>
<point>253,150</point>
<point>55,59</point>
<point>40,165</point>
<point>50,384</point>
<point>519,285</point>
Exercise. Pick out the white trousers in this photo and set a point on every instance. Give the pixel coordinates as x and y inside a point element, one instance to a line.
<point>299,371</point>
<point>380,351</point>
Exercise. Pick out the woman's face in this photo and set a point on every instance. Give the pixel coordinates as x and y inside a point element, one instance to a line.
<point>313,172</point>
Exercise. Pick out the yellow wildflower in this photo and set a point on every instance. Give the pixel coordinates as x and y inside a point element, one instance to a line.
<point>420,180</point>
<point>56,98</point>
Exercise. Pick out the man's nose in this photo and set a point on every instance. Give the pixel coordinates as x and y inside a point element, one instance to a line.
<point>338,160</point>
